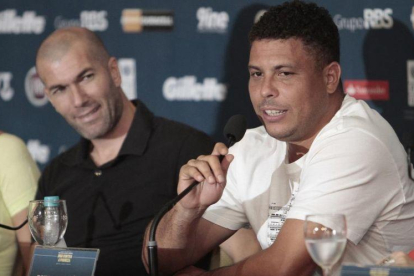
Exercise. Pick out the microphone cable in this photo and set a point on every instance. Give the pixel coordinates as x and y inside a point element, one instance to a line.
<point>234,131</point>
<point>13,228</point>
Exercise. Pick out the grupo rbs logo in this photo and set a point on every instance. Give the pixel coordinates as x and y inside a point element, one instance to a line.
<point>27,23</point>
<point>187,89</point>
<point>372,19</point>
<point>6,90</point>
<point>212,21</point>
<point>34,88</point>
<point>92,20</point>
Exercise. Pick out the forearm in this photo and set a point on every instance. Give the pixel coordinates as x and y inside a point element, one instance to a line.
<point>24,237</point>
<point>261,264</point>
<point>241,245</point>
<point>286,256</point>
<point>176,238</point>
<point>26,253</point>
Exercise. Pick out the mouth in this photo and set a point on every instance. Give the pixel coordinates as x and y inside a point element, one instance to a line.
<point>89,115</point>
<point>274,113</point>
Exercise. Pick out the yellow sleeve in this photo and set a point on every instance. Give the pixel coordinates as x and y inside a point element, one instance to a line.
<point>18,174</point>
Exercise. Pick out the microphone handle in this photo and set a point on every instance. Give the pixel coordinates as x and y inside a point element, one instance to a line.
<point>152,243</point>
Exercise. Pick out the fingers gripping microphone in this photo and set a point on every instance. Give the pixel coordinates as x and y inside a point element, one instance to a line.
<point>234,132</point>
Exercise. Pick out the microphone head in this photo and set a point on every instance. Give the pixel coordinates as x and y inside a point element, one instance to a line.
<point>235,129</point>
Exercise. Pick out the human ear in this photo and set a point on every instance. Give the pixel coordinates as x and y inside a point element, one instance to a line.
<point>114,71</point>
<point>332,74</point>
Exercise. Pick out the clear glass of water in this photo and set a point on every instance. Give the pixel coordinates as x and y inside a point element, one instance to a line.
<point>48,221</point>
<point>325,238</point>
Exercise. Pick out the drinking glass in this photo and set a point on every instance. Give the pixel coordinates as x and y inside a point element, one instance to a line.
<point>325,238</point>
<point>48,221</point>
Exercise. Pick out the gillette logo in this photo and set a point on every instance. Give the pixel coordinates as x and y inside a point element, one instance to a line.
<point>28,23</point>
<point>187,89</point>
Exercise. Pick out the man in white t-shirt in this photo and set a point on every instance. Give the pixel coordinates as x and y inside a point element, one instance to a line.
<point>318,151</point>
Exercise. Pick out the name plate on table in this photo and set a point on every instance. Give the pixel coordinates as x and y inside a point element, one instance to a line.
<point>56,261</point>
<point>376,270</point>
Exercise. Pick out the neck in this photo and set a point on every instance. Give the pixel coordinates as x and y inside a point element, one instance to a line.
<point>107,148</point>
<point>298,149</point>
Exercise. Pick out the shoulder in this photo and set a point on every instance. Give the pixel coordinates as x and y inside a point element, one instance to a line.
<point>164,124</point>
<point>163,130</point>
<point>355,123</point>
<point>360,139</point>
<point>9,142</point>
<point>357,115</point>
<point>66,158</point>
<point>11,147</point>
<point>15,159</point>
<point>179,132</point>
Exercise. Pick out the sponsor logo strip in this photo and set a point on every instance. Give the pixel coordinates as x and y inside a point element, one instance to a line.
<point>211,21</point>
<point>137,20</point>
<point>187,89</point>
<point>6,90</point>
<point>368,89</point>
<point>92,20</point>
<point>372,19</point>
<point>35,88</point>
<point>27,23</point>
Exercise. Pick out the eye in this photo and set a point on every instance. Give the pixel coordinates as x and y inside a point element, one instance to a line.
<point>57,90</point>
<point>285,74</point>
<point>87,77</point>
<point>255,74</point>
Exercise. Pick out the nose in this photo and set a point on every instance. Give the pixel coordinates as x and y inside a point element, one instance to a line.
<point>79,97</point>
<point>268,88</point>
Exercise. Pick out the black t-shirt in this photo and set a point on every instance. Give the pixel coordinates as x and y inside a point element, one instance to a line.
<point>110,206</point>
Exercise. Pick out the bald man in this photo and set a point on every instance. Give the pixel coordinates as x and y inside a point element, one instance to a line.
<point>124,168</point>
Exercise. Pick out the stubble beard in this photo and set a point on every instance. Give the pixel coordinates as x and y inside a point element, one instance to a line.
<point>105,124</point>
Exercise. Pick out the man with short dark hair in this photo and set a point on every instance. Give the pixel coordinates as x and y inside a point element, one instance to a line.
<point>125,167</point>
<point>318,151</point>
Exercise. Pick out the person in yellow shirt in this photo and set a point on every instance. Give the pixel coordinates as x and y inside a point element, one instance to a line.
<point>18,184</point>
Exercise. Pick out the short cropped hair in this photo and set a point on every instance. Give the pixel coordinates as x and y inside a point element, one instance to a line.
<point>311,24</point>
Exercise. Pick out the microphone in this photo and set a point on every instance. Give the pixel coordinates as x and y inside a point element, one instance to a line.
<point>234,132</point>
<point>235,129</point>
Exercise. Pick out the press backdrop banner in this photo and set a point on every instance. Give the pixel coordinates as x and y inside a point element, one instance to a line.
<point>187,60</point>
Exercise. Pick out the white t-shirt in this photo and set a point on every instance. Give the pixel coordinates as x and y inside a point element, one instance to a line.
<point>356,166</point>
